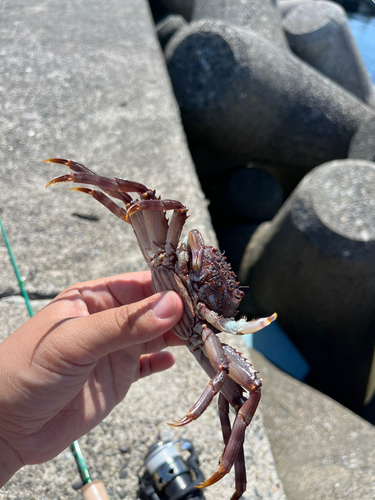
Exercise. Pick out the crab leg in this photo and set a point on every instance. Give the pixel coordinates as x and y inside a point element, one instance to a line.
<point>106,201</point>
<point>235,444</point>
<point>239,473</point>
<point>84,175</point>
<point>154,235</point>
<point>146,215</point>
<point>114,187</point>
<point>231,393</point>
<point>156,226</point>
<point>223,406</point>
<point>229,325</point>
<point>219,362</point>
<point>242,373</point>
<point>239,463</point>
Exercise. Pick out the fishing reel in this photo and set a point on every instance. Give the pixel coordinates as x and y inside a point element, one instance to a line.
<point>167,475</point>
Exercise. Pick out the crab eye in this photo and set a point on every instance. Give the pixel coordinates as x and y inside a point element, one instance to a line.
<point>238,294</point>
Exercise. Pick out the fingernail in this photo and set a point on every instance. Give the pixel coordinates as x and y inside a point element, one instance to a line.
<point>165,306</point>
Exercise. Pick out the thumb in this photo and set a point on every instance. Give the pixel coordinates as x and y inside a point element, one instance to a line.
<point>99,334</point>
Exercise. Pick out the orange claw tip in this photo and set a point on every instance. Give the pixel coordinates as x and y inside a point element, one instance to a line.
<point>60,179</point>
<point>206,483</point>
<point>52,182</point>
<point>176,423</point>
<point>55,160</point>
<point>272,317</point>
<point>173,424</point>
<point>82,189</point>
<point>219,474</point>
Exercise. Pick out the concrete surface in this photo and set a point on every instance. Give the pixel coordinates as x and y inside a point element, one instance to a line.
<point>314,264</point>
<point>319,33</point>
<point>260,16</point>
<point>322,450</point>
<point>87,80</point>
<point>250,100</point>
<point>83,81</point>
<point>167,27</point>
<point>362,145</point>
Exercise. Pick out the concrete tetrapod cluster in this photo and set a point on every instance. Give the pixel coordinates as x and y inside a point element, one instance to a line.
<point>314,263</point>
<point>284,89</point>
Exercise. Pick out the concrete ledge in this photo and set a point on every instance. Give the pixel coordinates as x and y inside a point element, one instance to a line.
<point>322,450</point>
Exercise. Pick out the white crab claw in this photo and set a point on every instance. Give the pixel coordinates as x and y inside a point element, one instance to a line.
<point>255,325</point>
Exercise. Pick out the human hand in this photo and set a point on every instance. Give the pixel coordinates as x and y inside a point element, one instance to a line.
<point>65,369</point>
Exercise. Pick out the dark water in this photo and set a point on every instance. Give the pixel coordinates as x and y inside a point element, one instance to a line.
<point>363,29</point>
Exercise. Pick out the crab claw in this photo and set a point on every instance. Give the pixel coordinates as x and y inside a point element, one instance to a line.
<point>183,421</point>
<point>256,325</point>
<point>219,474</point>
<point>60,179</point>
<point>73,165</point>
<point>214,479</point>
<point>83,174</point>
<point>229,325</point>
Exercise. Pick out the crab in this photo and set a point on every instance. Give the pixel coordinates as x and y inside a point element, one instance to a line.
<point>202,277</point>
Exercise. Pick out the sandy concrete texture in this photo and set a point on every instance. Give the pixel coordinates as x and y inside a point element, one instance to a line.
<point>84,81</point>
<point>323,451</point>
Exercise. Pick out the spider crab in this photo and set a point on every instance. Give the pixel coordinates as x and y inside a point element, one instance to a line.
<point>207,285</point>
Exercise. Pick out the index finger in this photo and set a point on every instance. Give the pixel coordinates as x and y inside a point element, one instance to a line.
<point>114,291</point>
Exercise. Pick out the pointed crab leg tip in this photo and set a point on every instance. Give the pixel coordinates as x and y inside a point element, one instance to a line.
<point>179,423</point>
<point>273,317</point>
<point>83,190</point>
<point>53,160</point>
<point>62,161</point>
<point>204,484</point>
<point>211,480</point>
<point>175,423</point>
<point>52,183</point>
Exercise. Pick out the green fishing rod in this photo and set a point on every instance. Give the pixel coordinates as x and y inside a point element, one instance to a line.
<point>92,490</point>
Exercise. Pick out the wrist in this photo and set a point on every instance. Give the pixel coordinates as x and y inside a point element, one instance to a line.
<point>10,462</point>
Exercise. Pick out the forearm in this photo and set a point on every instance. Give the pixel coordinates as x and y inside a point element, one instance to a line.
<point>10,462</point>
